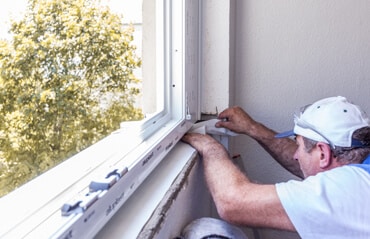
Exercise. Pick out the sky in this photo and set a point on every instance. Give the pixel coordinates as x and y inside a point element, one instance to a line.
<point>10,8</point>
<point>15,9</point>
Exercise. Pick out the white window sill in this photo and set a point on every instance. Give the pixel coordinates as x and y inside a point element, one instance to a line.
<point>129,221</point>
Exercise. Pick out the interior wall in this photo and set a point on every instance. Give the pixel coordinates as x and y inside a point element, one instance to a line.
<point>292,53</point>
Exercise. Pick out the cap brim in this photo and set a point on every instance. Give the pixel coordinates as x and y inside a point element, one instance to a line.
<point>285,134</point>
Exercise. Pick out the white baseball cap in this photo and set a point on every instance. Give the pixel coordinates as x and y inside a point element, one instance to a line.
<point>331,120</point>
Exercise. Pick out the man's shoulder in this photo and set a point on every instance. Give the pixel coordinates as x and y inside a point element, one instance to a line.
<point>363,166</point>
<point>349,175</point>
<point>350,171</point>
<point>347,172</point>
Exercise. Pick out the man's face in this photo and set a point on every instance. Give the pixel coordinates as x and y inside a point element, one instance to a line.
<point>308,161</point>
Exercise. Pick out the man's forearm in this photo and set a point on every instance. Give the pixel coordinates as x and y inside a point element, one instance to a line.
<point>282,150</point>
<point>237,199</point>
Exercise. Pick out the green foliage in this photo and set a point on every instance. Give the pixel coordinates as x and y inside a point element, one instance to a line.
<point>66,81</point>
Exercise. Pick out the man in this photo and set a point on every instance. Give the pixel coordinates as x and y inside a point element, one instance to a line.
<point>330,151</point>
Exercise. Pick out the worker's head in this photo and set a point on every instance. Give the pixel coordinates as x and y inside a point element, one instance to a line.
<point>330,132</point>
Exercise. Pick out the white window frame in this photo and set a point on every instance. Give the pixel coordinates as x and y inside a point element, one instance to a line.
<point>34,210</point>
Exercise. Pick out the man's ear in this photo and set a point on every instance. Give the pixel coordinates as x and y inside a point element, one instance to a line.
<point>325,155</point>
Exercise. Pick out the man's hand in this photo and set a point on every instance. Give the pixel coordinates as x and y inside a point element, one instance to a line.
<point>237,120</point>
<point>204,144</point>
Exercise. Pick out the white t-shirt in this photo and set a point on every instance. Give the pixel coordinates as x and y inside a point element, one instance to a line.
<point>333,204</point>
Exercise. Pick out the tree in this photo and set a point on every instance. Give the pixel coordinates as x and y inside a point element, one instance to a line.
<point>66,81</point>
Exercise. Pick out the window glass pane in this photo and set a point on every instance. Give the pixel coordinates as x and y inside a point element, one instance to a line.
<point>70,73</point>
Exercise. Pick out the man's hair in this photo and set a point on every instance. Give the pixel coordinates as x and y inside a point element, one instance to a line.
<point>348,154</point>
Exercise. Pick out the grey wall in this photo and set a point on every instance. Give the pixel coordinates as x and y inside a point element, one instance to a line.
<point>291,53</point>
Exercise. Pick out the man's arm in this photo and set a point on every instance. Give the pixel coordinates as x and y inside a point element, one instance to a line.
<point>282,150</point>
<point>237,199</point>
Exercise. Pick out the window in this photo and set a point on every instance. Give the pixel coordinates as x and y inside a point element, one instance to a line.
<point>90,186</point>
<point>70,73</point>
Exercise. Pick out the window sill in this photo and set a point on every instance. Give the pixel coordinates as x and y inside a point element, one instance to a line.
<point>129,221</point>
